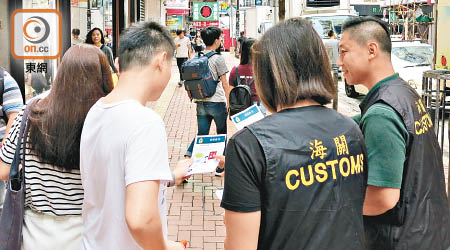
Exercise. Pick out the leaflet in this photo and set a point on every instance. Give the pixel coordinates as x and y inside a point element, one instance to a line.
<point>247,117</point>
<point>205,148</point>
<point>219,194</point>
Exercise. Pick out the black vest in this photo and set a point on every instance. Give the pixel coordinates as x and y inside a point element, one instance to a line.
<point>314,183</point>
<point>420,220</point>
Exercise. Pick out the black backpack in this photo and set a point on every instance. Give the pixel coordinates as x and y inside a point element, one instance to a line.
<point>240,96</point>
<point>198,80</point>
<point>2,88</point>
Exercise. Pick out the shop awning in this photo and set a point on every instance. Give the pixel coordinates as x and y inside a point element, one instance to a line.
<point>177,12</point>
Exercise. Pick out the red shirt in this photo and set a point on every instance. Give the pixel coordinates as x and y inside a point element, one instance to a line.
<point>246,74</point>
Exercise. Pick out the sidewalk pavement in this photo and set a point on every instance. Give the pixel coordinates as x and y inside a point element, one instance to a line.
<point>193,211</point>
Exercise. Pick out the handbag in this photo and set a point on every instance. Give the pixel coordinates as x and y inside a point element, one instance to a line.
<point>11,220</point>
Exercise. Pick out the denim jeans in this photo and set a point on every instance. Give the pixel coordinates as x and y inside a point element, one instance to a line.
<point>206,113</point>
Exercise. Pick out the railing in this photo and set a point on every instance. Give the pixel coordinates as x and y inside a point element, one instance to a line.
<point>436,98</point>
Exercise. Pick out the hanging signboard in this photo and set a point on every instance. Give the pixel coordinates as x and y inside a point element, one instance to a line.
<point>177,4</point>
<point>443,38</point>
<point>204,24</point>
<point>205,11</point>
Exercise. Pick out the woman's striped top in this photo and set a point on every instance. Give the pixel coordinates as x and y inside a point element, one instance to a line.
<point>49,189</point>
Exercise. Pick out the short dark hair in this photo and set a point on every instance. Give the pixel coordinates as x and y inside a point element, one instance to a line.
<point>89,36</point>
<point>242,33</point>
<point>330,33</point>
<point>139,43</point>
<point>285,72</point>
<point>76,32</point>
<point>363,29</point>
<point>246,50</point>
<point>179,31</point>
<point>210,35</point>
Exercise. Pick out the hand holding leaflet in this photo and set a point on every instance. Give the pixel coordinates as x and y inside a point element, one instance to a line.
<point>247,117</point>
<point>205,148</point>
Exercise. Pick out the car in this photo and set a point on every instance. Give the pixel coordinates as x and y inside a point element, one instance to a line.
<point>324,22</point>
<point>410,60</point>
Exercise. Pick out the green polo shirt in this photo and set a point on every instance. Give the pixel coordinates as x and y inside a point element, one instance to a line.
<point>386,138</point>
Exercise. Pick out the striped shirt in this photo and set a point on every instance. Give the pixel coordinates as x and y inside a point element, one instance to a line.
<point>49,189</point>
<point>12,99</point>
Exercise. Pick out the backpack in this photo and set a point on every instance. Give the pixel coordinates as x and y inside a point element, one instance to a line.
<point>198,80</point>
<point>240,96</point>
<point>2,88</point>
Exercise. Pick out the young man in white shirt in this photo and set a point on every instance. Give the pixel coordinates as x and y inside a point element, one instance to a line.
<point>183,47</point>
<point>123,153</point>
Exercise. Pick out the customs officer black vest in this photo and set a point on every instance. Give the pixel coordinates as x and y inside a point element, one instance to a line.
<point>420,219</point>
<point>314,183</point>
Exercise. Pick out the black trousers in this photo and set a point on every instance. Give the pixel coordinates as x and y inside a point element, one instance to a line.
<point>180,62</point>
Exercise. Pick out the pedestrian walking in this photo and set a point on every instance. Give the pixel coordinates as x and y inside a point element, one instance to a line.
<point>295,179</point>
<point>183,51</point>
<point>405,205</point>
<point>198,43</point>
<point>332,47</point>
<point>215,107</point>
<point>245,71</point>
<point>53,190</point>
<point>239,42</point>
<point>76,37</point>
<point>95,37</point>
<point>124,157</point>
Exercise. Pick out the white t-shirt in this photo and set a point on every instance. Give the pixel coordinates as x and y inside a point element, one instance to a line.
<point>121,144</point>
<point>182,50</point>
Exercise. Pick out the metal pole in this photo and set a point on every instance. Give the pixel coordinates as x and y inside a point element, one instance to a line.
<point>336,96</point>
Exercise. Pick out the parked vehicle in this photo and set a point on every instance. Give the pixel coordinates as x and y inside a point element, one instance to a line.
<point>324,22</point>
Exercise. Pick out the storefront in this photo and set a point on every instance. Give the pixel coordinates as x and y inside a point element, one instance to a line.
<point>111,16</point>
<point>177,15</point>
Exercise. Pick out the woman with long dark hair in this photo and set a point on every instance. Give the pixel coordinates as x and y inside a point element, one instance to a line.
<point>95,37</point>
<point>54,193</point>
<point>245,72</point>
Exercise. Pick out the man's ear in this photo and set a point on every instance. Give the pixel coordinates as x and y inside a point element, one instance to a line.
<point>160,60</point>
<point>116,63</point>
<point>373,50</point>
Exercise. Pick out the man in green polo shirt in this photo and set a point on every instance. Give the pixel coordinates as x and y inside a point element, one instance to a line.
<point>382,126</point>
<point>405,205</point>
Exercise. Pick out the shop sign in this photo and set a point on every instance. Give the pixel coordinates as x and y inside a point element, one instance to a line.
<point>174,22</point>
<point>204,24</point>
<point>205,11</point>
<point>177,4</point>
<point>177,12</point>
<point>36,34</point>
<point>443,38</point>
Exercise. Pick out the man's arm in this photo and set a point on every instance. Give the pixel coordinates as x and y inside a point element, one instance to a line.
<point>386,138</point>
<point>226,86</point>
<point>11,118</point>
<point>242,230</point>
<point>142,216</point>
<point>379,200</point>
<point>189,50</point>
